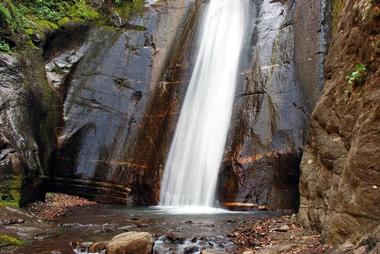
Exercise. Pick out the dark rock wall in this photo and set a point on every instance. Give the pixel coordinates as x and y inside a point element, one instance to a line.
<point>28,116</point>
<point>340,172</point>
<point>118,111</point>
<point>280,82</point>
<point>103,125</point>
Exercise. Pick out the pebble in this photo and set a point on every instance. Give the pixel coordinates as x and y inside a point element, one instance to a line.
<point>107,228</point>
<point>142,225</point>
<point>97,247</point>
<point>12,221</point>
<point>262,208</point>
<point>86,244</point>
<point>191,249</point>
<point>125,228</point>
<point>284,228</point>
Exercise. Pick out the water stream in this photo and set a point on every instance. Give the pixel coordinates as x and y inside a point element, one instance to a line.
<point>190,233</point>
<point>192,167</point>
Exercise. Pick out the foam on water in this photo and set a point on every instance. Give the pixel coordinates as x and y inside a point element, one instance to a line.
<point>193,210</point>
<point>192,167</point>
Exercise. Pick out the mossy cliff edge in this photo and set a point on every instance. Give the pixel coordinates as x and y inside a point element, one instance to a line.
<point>30,107</point>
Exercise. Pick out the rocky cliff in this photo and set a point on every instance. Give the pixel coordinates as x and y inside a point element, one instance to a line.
<point>340,172</point>
<point>28,117</point>
<point>106,101</point>
<point>280,83</point>
<point>90,108</point>
<point>119,101</point>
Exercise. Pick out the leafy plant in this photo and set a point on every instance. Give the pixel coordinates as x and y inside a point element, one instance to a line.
<point>4,46</point>
<point>51,10</point>
<point>127,9</point>
<point>27,17</point>
<point>11,17</point>
<point>82,10</point>
<point>5,16</point>
<point>358,76</point>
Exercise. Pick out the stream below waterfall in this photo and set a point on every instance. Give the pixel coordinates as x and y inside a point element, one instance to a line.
<point>174,232</point>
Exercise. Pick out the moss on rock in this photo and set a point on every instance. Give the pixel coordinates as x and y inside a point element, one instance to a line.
<point>128,9</point>
<point>10,188</point>
<point>8,240</point>
<point>338,6</point>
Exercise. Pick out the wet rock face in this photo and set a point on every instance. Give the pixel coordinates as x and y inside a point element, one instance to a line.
<point>11,168</point>
<point>123,89</point>
<point>14,109</point>
<point>340,192</point>
<point>62,51</point>
<point>272,106</point>
<point>105,130</point>
<point>312,34</point>
<point>26,123</point>
<point>118,111</point>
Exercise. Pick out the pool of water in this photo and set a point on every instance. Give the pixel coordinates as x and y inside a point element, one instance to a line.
<point>176,229</point>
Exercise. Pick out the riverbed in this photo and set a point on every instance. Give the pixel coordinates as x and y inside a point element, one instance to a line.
<point>175,231</point>
<point>66,224</point>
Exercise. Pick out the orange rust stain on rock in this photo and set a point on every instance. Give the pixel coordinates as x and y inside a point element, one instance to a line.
<point>257,157</point>
<point>116,163</point>
<point>160,115</point>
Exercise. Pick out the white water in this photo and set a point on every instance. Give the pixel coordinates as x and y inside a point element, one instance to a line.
<point>193,210</point>
<point>192,167</point>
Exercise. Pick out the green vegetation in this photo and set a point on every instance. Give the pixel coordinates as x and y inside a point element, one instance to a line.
<point>127,10</point>
<point>358,76</point>
<point>4,46</point>
<point>11,17</point>
<point>50,14</point>
<point>10,188</point>
<point>26,17</point>
<point>7,240</point>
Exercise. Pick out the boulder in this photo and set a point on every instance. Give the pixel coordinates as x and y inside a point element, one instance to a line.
<point>97,247</point>
<point>131,243</point>
<point>212,251</point>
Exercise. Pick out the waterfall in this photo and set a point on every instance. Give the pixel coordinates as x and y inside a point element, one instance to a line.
<point>192,166</point>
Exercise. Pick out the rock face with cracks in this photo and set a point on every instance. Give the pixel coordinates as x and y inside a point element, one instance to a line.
<point>340,171</point>
<point>100,112</point>
<point>27,121</point>
<point>273,103</point>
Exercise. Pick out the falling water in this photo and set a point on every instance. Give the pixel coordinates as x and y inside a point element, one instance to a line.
<point>192,167</point>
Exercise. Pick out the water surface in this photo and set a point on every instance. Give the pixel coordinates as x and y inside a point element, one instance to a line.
<point>187,230</point>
